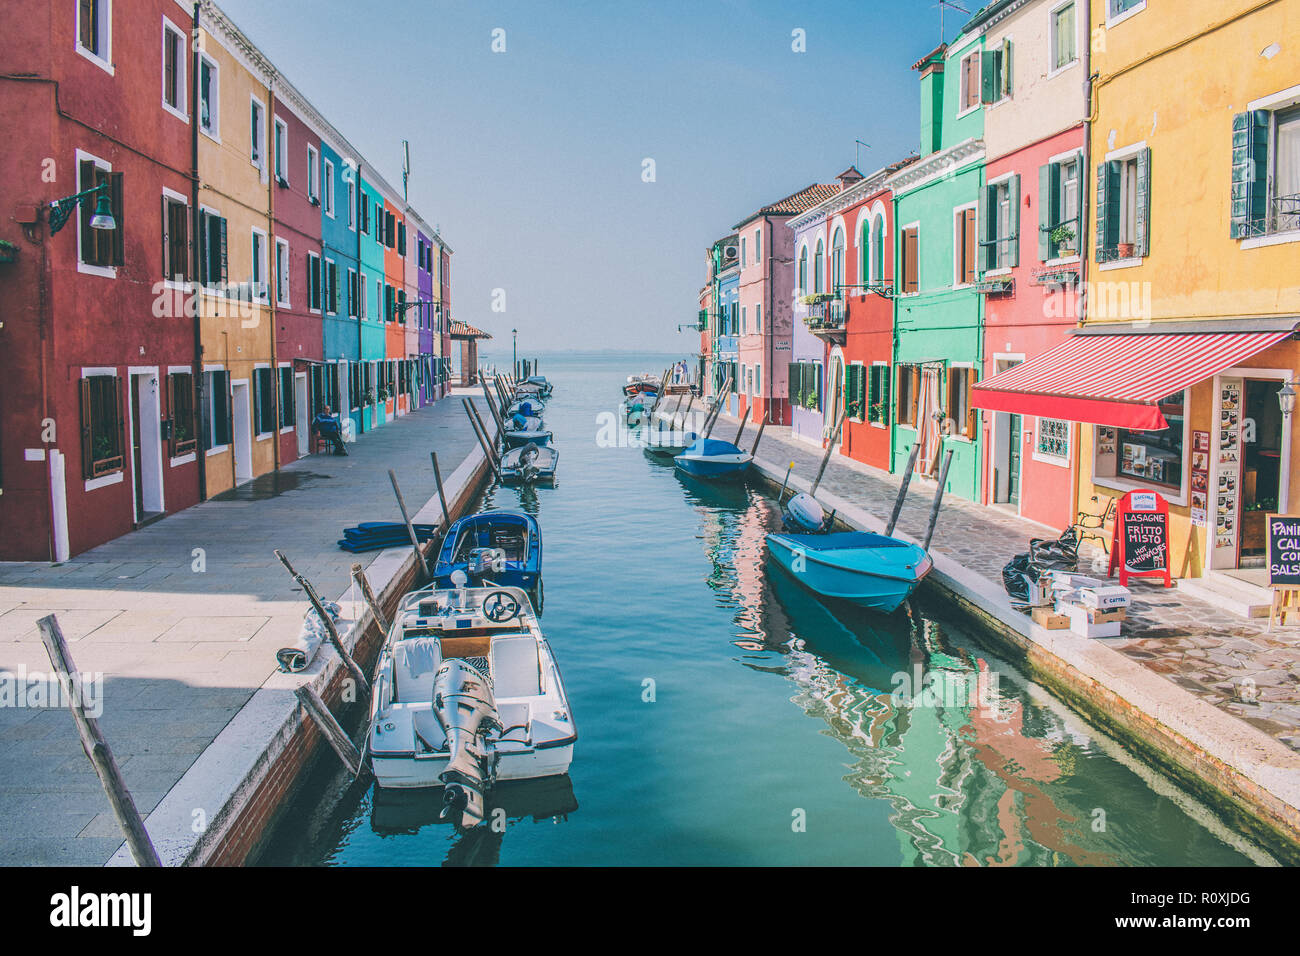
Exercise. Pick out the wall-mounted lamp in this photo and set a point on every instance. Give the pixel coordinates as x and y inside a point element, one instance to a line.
<point>61,210</point>
<point>1286,398</point>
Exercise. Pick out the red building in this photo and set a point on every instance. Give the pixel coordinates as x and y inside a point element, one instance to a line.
<point>98,431</point>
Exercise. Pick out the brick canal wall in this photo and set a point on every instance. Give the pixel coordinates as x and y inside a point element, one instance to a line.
<point>1242,773</point>
<point>229,802</point>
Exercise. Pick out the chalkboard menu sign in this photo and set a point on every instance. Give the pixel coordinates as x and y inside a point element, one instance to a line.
<point>1284,551</point>
<point>1140,545</point>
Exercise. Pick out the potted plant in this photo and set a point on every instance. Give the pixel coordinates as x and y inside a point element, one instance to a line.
<point>1063,238</point>
<point>8,251</point>
<point>1125,250</point>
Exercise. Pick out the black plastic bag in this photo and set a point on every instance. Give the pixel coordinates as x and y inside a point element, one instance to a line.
<point>1016,575</point>
<point>1059,555</point>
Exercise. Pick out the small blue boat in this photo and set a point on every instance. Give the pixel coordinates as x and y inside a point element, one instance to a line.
<point>516,535</point>
<point>870,570</point>
<point>714,459</point>
<point>522,429</point>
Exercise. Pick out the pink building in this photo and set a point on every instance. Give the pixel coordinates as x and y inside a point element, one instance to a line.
<point>766,300</point>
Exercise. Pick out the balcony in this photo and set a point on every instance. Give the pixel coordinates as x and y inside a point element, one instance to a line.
<point>826,316</point>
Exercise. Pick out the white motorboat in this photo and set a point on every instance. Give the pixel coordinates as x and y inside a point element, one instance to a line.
<point>529,463</point>
<point>467,693</point>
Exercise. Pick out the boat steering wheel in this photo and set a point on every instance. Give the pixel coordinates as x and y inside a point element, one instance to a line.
<point>500,606</point>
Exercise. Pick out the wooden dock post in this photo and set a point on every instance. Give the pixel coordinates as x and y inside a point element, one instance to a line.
<point>759,437</point>
<point>902,489</point>
<point>331,629</point>
<point>368,595</point>
<point>938,497</point>
<point>97,749</point>
<point>479,418</point>
<point>781,494</point>
<point>330,728</point>
<point>442,497</point>
<point>410,528</point>
<point>744,420</point>
<point>826,458</point>
<point>482,440</point>
<point>492,407</point>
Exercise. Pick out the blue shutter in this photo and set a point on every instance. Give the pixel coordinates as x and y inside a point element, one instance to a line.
<point>1249,173</point>
<point>1107,210</point>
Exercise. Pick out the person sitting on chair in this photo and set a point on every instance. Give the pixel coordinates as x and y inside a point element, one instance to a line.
<point>328,427</point>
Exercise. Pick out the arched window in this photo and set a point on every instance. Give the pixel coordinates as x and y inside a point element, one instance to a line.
<point>803,270</point>
<point>837,260</point>
<point>864,258</point>
<point>819,263</point>
<point>880,250</point>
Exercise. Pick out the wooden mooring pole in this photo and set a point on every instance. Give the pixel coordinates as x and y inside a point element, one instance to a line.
<point>368,595</point>
<point>482,440</point>
<point>97,749</point>
<point>938,498</point>
<point>331,629</point>
<point>330,728</point>
<point>826,458</point>
<point>902,489</point>
<point>759,437</point>
<point>492,407</point>
<point>442,497</point>
<point>410,528</point>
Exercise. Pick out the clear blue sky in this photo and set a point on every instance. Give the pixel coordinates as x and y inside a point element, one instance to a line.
<point>530,160</point>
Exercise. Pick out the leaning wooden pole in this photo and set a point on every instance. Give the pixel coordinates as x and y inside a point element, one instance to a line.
<point>902,489</point>
<point>482,439</point>
<point>331,630</point>
<point>781,494</point>
<point>330,728</point>
<point>483,425</point>
<point>442,496</point>
<point>97,749</point>
<point>492,407</point>
<point>826,458</point>
<point>410,528</point>
<point>368,595</point>
<point>744,420</point>
<point>938,499</point>
<point>759,437</point>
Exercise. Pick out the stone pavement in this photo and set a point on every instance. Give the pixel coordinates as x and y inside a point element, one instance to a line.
<point>183,644</point>
<point>1231,662</point>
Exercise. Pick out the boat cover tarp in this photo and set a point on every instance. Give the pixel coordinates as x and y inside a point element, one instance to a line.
<point>376,535</point>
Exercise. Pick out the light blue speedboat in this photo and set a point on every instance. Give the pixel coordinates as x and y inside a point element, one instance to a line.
<point>871,570</point>
<point>714,459</point>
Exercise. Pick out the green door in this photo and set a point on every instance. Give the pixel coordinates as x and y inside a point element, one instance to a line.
<point>1013,464</point>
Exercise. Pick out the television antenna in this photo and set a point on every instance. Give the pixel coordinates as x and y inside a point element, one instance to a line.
<point>857,153</point>
<point>944,5</point>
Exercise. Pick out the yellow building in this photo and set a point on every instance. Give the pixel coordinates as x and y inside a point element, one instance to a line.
<point>241,378</point>
<point>1193,280</point>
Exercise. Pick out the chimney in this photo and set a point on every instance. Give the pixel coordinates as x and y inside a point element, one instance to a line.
<point>931,70</point>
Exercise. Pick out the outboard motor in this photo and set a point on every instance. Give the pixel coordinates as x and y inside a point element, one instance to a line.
<point>466,709</point>
<point>528,461</point>
<point>803,513</point>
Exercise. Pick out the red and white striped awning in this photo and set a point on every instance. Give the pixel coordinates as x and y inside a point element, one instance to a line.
<point>1116,379</point>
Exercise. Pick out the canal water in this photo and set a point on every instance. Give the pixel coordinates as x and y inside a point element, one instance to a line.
<point>727,716</point>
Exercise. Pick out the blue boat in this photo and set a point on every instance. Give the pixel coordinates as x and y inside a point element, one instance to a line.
<point>522,429</point>
<point>472,545</point>
<point>870,570</point>
<point>713,459</point>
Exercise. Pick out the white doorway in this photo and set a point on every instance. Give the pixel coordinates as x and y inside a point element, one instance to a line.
<point>302,411</point>
<point>241,410</point>
<point>833,401</point>
<point>146,442</point>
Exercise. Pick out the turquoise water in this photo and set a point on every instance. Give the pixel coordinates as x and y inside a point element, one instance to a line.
<point>726,716</point>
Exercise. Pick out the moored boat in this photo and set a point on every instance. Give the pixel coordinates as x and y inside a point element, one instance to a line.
<point>872,570</point>
<point>542,383</point>
<point>504,545</point>
<point>714,459</point>
<point>467,692</point>
<point>522,429</point>
<point>529,463</point>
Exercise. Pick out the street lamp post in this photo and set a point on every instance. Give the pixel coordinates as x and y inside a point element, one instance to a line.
<point>515,333</point>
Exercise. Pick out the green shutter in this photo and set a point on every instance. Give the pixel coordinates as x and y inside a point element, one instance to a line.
<point>1006,66</point>
<point>1142,243</point>
<point>1045,212</point>
<point>1013,224</point>
<point>1107,209</point>
<point>203,247</point>
<point>986,228</point>
<point>225,262</point>
<point>1249,173</point>
<point>988,75</point>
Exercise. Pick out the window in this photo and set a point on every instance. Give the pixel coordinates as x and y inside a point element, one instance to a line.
<point>390,229</point>
<point>99,247</point>
<point>95,31</point>
<point>996,73</point>
<point>744,320</point>
<point>878,396</point>
<point>212,249</point>
<point>390,303</point>
<point>909,390</point>
<point>910,264</point>
<point>819,266</point>
<point>1000,225</point>
<point>282,272</point>
<point>837,261</point>
<point>1064,36</point>
<point>352,205</point>
<point>1060,209</point>
<point>758,380</point>
<point>1266,172</point>
<point>313,187</point>
<point>970,82</point>
<point>263,401</point>
<point>855,392</point>
<point>257,120</point>
<point>401,238</point>
<point>960,410</point>
<point>173,69</point>
<point>803,270</point>
<point>805,385</point>
<point>379,222</point>
<point>331,287</point>
<point>352,293</point>
<point>176,239</point>
<point>258,286</point>
<point>101,425</point>
<point>281,148</point>
<point>286,396</point>
<point>364,292</point>
<point>878,273</point>
<point>313,282</point>
<point>758,319</point>
<point>1124,207</point>
<point>758,246</point>
<point>216,409</point>
<point>1053,438</point>
<point>180,397</point>
<point>743,259</point>
<point>964,241</point>
<point>329,189</point>
<point>1122,9</point>
<point>1154,457</point>
<point>209,96</point>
